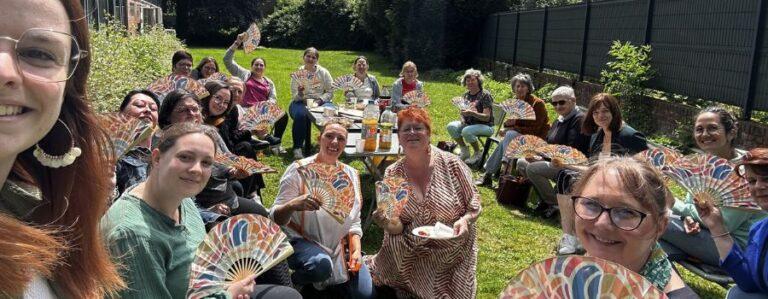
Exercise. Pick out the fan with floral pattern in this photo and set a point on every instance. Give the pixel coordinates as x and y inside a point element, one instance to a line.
<point>517,109</point>
<point>524,146</point>
<point>392,195</point>
<point>241,163</point>
<point>252,38</point>
<point>124,132</point>
<point>163,86</point>
<point>331,187</point>
<point>417,98</point>
<point>347,82</point>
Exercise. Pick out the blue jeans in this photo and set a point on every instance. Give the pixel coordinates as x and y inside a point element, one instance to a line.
<point>302,125</point>
<point>493,164</point>
<point>311,264</point>
<point>457,130</point>
<point>736,293</point>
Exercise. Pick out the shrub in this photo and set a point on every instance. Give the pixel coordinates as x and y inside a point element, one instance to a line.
<point>625,77</point>
<point>123,61</point>
<point>217,22</point>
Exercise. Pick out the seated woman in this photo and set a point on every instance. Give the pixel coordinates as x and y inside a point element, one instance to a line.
<point>609,135</point>
<point>714,132</point>
<point>565,130</point>
<point>745,263</point>
<point>621,211</point>
<point>475,121</point>
<point>360,66</point>
<point>132,168</point>
<point>181,63</point>
<point>320,95</point>
<point>406,83</point>
<point>207,67</point>
<point>522,85</point>
<point>315,235</point>
<point>236,87</point>
<point>154,229</point>
<point>418,267</point>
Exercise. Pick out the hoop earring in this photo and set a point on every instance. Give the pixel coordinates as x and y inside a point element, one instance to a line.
<point>54,161</point>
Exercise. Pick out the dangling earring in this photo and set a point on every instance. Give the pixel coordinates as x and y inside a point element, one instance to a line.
<point>63,160</point>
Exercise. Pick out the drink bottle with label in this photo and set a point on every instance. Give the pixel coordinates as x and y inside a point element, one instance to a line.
<point>388,120</point>
<point>370,126</point>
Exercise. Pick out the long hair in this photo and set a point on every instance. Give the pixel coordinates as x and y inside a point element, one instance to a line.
<point>608,101</point>
<point>67,221</point>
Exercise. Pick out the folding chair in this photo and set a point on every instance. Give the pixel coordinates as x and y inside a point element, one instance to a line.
<point>498,121</point>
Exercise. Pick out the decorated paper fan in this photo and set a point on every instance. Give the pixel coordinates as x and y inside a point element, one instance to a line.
<point>261,116</point>
<point>163,86</point>
<point>524,146</point>
<point>659,157</point>
<point>572,276</point>
<point>252,38</point>
<point>417,97</point>
<point>461,103</point>
<point>241,163</point>
<point>331,187</point>
<point>307,79</point>
<point>711,178</point>
<point>234,249</point>
<point>124,133</point>
<point>517,109</point>
<point>565,154</point>
<point>213,77</point>
<point>347,82</point>
<point>392,196</point>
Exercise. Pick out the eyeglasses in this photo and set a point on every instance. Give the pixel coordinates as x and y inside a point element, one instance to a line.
<point>45,55</point>
<point>185,110</point>
<point>624,218</point>
<point>219,100</point>
<point>413,129</point>
<point>558,103</point>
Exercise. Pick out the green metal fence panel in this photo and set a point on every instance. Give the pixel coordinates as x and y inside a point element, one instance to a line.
<point>565,27</point>
<point>529,38</point>
<point>612,20</point>
<point>505,50</point>
<point>488,41</point>
<point>761,91</point>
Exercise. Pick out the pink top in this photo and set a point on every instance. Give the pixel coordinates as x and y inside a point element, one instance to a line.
<point>255,91</point>
<point>408,87</point>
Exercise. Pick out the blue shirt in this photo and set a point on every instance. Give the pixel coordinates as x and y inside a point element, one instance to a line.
<point>748,266</point>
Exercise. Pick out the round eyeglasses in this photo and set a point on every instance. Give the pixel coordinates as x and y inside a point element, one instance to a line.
<point>624,218</point>
<point>46,55</point>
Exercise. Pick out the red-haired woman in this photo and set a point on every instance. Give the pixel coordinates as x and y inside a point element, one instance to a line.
<point>51,245</point>
<point>443,191</point>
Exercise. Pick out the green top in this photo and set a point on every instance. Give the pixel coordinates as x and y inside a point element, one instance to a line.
<point>736,221</point>
<point>154,252</point>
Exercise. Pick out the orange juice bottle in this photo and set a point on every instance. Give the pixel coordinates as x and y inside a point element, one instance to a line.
<point>370,126</point>
<point>387,123</point>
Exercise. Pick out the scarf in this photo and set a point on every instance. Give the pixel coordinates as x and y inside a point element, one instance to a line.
<point>658,269</point>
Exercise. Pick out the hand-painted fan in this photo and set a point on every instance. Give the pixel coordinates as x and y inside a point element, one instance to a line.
<point>460,102</point>
<point>572,276</point>
<point>235,249</point>
<point>417,97</point>
<point>213,77</point>
<point>517,109</point>
<point>711,178</point>
<point>565,155</point>
<point>659,157</point>
<point>307,79</point>
<point>124,132</point>
<point>331,187</point>
<point>260,116</point>
<point>252,38</point>
<point>347,82</point>
<point>241,163</point>
<point>523,146</point>
<point>392,196</point>
<point>163,86</point>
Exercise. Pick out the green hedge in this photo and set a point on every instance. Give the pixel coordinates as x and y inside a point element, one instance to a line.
<point>123,61</point>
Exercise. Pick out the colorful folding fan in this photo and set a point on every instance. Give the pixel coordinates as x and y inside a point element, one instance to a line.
<point>347,82</point>
<point>524,146</point>
<point>260,116</point>
<point>233,250</point>
<point>331,187</point>
<point>307,79</point>
<point>213,77</point>
<point>124,132</point>
<point>572,276</point>
<point>163,86</point>
<point>460,102</point>
<point>252,38</point>
<point>565,155</point>
<point>517,109</point>
<point>417,97</point>
<point>710,178</point>
<point>659,157</point>
<point>241,163</point>
<point>392,196</point>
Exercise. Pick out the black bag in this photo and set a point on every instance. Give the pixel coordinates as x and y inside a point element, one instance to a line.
<point>513,190</point>
<point>447,146</point>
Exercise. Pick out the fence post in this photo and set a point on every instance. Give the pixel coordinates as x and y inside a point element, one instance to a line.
<point>496,41</point>
<point>649,22</point>
<point>754,60</point>
<point>517,30</point>
<point>543,38</point>
<point>584,37</point>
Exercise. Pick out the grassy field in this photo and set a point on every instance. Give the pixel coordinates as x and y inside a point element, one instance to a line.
<point>509,239</point>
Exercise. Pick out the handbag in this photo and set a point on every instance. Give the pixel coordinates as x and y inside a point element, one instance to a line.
<point>513,189</point>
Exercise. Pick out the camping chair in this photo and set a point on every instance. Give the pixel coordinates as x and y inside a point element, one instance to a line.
<point>498,121</point>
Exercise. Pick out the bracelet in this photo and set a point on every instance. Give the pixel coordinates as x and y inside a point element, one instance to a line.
<point>721,235</point>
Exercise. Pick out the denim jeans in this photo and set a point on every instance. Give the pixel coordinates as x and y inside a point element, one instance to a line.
<point>493,164</point>
<point>302,125</point>
<point>736,293</point>
<point>311,264</point>
<point>457,130</point>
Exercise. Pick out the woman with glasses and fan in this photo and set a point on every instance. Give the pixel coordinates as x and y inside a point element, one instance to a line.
<point>715,131</point>
<point>311,85</point>
<point>620,209</point>
<point>407,82</point>
<point>205,68</point>
<point>48,217</point>
<point>476,117</point>
<point>419,266</point>
<point>132,167</point>
<point>319,204</point>
<point>154,229</point>
<point>238,89</point>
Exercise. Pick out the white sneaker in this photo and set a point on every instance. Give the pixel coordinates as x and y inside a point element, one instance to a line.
<point>463,152</point>
<point>567,245</point>
<point>474,159</point>
<point>297,154</point>
<point>277,150</point>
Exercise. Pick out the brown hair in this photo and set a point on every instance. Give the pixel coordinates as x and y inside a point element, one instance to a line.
<point>602,100</point>
<point>414,113</point>
<point>312,50</point>
<point>213,87</point>
<point>408,64</point>
<point>62,237</point>
<point>174,132</point>
<point>203,62</point>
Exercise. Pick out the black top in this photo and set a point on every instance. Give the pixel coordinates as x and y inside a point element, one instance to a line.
<point>568,132</point>
<point>684,293</point>
<point>481,100</point>
<point>626,141</point>
<point>230,133</point>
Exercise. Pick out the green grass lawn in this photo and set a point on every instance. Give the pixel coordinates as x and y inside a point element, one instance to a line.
<point>509,239</point>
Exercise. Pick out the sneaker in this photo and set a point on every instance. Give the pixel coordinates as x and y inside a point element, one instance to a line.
<point>260,144</point>
<point>297,154</point>
<point>567,245</point>
<point>484,180</point>
<point>272,140</point>
<point>463,152</point>
<point>474,159</point>
<point>278,150</point>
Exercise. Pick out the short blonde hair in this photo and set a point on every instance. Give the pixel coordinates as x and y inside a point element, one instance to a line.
<point>408,64</point>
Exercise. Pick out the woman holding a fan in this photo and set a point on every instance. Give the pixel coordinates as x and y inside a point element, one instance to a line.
<point>360,66</point>
<point>416,265</point>
<point>476,119</point>
<point>319,203</point>
<point>312,86</point>
<point>407,82</point>
<point>205,68</point>
<point>132,167</point>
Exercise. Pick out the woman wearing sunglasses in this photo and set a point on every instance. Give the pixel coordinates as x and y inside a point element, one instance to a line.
<point>620,209</point>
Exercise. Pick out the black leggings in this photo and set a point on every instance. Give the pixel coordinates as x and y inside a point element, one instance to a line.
<point>280,126</point>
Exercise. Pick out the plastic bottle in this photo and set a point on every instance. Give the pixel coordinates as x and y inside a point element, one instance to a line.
<point>388,120</point>
<point>370,126</point>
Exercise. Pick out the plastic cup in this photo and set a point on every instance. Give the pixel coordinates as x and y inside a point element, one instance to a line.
<point>360,145</point>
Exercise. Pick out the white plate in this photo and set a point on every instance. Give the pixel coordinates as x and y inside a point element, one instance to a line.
<point>429,231</point>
